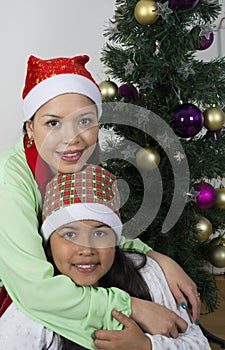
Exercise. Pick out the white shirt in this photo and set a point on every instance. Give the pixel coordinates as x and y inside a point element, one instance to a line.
<point>19,332</point>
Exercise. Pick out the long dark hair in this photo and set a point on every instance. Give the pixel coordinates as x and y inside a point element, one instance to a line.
<point>123,275</point>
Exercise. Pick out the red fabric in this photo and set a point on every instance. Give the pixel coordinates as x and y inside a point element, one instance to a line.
<point>42,176</point>
<point>39,70</point>
<point>5,300</point>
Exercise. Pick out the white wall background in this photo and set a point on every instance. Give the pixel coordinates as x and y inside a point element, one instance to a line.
<point>45,28</point>
<point>53,28</point>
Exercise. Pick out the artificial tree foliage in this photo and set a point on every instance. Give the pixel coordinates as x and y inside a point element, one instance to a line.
<point>160,60</point>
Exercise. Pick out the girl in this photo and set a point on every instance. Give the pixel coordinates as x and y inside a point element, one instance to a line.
<point>82,230</point>
<point>62,104</point>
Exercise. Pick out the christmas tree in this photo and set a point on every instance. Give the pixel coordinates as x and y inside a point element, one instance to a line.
<point>170,104</point>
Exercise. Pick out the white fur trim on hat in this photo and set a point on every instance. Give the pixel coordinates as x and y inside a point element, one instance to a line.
<point>58,85</point>
<point>82,211</point>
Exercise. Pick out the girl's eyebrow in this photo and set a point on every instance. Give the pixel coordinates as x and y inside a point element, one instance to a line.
<point>76,227</point>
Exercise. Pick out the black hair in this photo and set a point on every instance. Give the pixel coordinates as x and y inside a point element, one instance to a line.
<point>125,275</point>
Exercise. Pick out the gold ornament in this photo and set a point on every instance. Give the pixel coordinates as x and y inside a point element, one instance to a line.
<point>220,198</point>
<point>214,118</point>
<point>145,12</point>
<point>216,241</point>
<point>109,89</point>
<point>147,158</point>
<point>204,229</point>
<point>216,255</point>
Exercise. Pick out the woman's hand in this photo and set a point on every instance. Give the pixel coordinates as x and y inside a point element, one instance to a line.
<point>156,319</point>
<point>181,285</point>
<point>131,337</point>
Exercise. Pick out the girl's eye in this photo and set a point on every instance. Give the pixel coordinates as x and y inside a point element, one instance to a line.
<point>100,233</point>
<point>69,235</point>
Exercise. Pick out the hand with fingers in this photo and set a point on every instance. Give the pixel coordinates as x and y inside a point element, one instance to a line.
<point>156,319</point>
<point>181,285</point>
<point>130,337</point>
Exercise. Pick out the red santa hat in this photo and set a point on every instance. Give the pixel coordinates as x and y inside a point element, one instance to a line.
<point>47,79</point>
<point>91,194</point>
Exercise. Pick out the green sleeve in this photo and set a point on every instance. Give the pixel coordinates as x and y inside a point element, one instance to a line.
<point>55,302</point>
<point>134,244</point>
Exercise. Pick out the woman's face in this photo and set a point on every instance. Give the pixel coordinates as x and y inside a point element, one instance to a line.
<point>65,132</point>
<point>83,251</point>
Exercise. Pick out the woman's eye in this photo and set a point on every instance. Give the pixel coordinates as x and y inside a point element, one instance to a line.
<point>85,121</point>
<point>53,123</point>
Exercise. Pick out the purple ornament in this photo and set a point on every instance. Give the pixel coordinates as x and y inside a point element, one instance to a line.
<point>187,120</point>
<point>201,42</point>
<point>129,91</point>
<point>207,195</point>
<point>183,4</point>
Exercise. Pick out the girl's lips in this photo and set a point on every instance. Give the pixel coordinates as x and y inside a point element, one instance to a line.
<point>70,156</point>
<point>85,268</point>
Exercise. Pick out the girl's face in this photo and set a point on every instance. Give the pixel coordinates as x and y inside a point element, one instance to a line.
<point>65,132</point>
<point>83,251</point>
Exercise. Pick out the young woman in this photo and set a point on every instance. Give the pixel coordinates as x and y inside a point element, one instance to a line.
<point>62,105</point>
<point>82,230</point>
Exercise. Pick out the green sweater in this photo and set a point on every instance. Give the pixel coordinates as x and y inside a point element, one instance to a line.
<point>55,302</point>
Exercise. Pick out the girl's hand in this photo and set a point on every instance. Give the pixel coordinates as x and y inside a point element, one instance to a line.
<point>181,285</point>
<point>131,337</point>
<point>156,319</point>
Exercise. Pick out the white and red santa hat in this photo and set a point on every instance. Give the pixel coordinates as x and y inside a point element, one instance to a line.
<point>91,194</point>
<point>49,78</point>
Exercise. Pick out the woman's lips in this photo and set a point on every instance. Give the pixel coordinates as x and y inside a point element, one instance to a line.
<point>70,156</point>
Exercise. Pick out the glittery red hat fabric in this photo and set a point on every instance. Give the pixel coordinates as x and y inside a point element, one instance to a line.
<point>39,70</point>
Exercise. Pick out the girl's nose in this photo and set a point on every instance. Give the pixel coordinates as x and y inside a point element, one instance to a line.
<point>85,246</point>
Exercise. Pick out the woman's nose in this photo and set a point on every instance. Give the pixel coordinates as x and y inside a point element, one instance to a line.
<point>71,134</point>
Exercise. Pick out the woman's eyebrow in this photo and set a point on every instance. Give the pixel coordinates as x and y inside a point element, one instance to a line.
<point>83,114</point>
<point>51,115</point>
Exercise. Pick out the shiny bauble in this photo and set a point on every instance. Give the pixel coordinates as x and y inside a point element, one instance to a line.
<point>128,91</point>
<point>220,198</point>
<point>219,240</point>
<point>201,42</point>
<point>216,256</point>
<point>187,120</point>
<point>203,228</point>
<point>214,118</point>
<point>109,90</point>
<point>206,197</point>
<point>183,4</point>
<point>145,12</point>
<point>147,158</point>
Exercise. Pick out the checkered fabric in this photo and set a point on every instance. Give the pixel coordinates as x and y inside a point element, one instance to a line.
<point>93,185</point>
<point>91,194</point>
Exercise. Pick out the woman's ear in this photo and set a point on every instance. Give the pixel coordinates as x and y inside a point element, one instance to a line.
<point>29,129</point>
